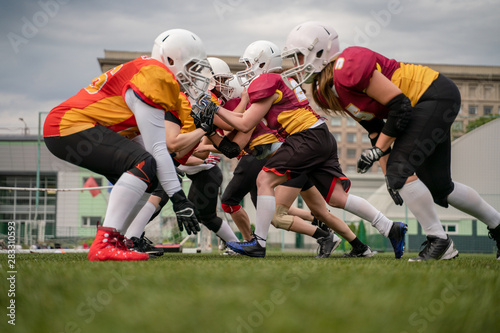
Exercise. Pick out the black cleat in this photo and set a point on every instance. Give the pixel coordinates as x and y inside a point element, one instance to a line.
<point>144,245</point>
<point>327,245</point>
<point>397,238</point>
<point>251,248</point>
<point>362,252</point>
<point>438,249</point>
<point>495,234</point>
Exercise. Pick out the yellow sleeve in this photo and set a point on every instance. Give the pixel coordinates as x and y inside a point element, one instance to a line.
<point>157,87</point>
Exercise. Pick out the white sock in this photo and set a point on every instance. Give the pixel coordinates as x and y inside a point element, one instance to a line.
<point>266,205</point>
<point>226,233</point>
<point>362,208</point>
<point>138,225</point>
<point>135,211</point>
<point>127,191</point>
<point>468,201</point>
<point>419,200</point>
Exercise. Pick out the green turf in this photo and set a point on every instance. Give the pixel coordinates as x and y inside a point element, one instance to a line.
<point>290,292</point>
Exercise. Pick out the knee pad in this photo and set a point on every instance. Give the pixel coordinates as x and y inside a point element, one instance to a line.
<point>213,224</point>
<point>230,208</point>
<point>146,171</point>
<point>281,219</point>
<point>228,148</point>
<point>395,182</point>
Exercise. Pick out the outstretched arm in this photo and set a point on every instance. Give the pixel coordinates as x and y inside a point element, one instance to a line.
<point>251,117</point>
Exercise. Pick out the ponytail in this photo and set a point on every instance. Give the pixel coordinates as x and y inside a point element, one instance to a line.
<point>323,94</point>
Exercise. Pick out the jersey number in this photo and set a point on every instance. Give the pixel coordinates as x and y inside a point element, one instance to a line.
<point>358,114</point>
<point>100,81</point>
<point>301,96</point>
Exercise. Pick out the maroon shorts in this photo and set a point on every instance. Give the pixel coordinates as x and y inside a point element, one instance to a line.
<point>312,152</point>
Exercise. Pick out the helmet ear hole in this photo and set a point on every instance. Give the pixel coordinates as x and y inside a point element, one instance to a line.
<point>262,65</point>
<point>170,61</point>
<point>319,54</point>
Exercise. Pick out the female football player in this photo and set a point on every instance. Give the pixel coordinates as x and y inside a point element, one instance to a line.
<point>95,129</point>
<point>308,148</point>
<point>418,105</point>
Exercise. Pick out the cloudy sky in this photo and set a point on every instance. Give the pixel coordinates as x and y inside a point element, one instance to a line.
<point>49,48</point>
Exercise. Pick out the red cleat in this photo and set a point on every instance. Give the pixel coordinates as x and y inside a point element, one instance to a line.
<point>108,245</point>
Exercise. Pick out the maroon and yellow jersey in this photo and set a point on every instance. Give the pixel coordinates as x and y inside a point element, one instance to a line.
<point>102,102</point>
<point>183,114</point>
<point>352,73</point>
<point>261,134</point>
<point>290,113</point>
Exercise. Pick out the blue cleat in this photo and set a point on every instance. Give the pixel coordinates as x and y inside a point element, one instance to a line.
<point>251,248</point>
<point>397,238</point>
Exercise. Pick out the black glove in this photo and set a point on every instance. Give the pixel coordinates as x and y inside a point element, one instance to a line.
<point>185,212</point>
<point>368,157</point>
<point>394,194</point>
<point>203,114</point>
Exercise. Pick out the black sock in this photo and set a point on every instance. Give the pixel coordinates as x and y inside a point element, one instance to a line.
<point>357,244</point>
<point>320,233</point>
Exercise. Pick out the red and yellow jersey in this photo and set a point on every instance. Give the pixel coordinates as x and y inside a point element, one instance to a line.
<point>290,113</point>
<point>102,102</point>
<point>352,73</point>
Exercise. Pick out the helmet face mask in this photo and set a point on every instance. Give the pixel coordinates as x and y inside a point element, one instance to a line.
<point>195,79</point>
<point>221,76</point>
<point>260,57</point>
<point>184,54</point>
<point>310,46</point>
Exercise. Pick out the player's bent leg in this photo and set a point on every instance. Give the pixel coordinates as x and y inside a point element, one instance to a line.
<point>240,218</point>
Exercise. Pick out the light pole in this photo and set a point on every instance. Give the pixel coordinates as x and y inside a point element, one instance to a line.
<point>25,126</point>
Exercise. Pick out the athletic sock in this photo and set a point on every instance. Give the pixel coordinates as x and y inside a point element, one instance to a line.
<point>319,233</point>
<point>138,225</point>
<point>469,201</point>
<point>419,200</point>
<point>226,233</point>
<point>124,196</point>
<point>266,205</point>
<point>357,244</point>
<point>362,208</point>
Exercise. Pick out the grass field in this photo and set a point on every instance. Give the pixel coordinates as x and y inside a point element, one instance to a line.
<point>285,292</point>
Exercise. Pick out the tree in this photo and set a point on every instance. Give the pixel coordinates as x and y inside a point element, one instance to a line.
<point>479,122</point>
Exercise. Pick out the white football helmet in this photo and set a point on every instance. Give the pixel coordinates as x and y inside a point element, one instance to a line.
<point>236,88</point>
<point>260,57</point>
<point>221,76</point>
<point>184,54</point>
<point>311,46</point>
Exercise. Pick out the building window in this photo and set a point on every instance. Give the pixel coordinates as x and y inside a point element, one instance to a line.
<point>351,122</point>
<point>488,110</point>
<point>472,109</point>
<point>489,92</point>
<point>458,126</point>
<point>90,221</point>
<point>337,136</point>
<point>351,168</point>
<point>351,153</point>
<point>365,138</point>
<point>451,228</point>
<point>336,121</point>
<point>351,137</point>
<point>474,91</point>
